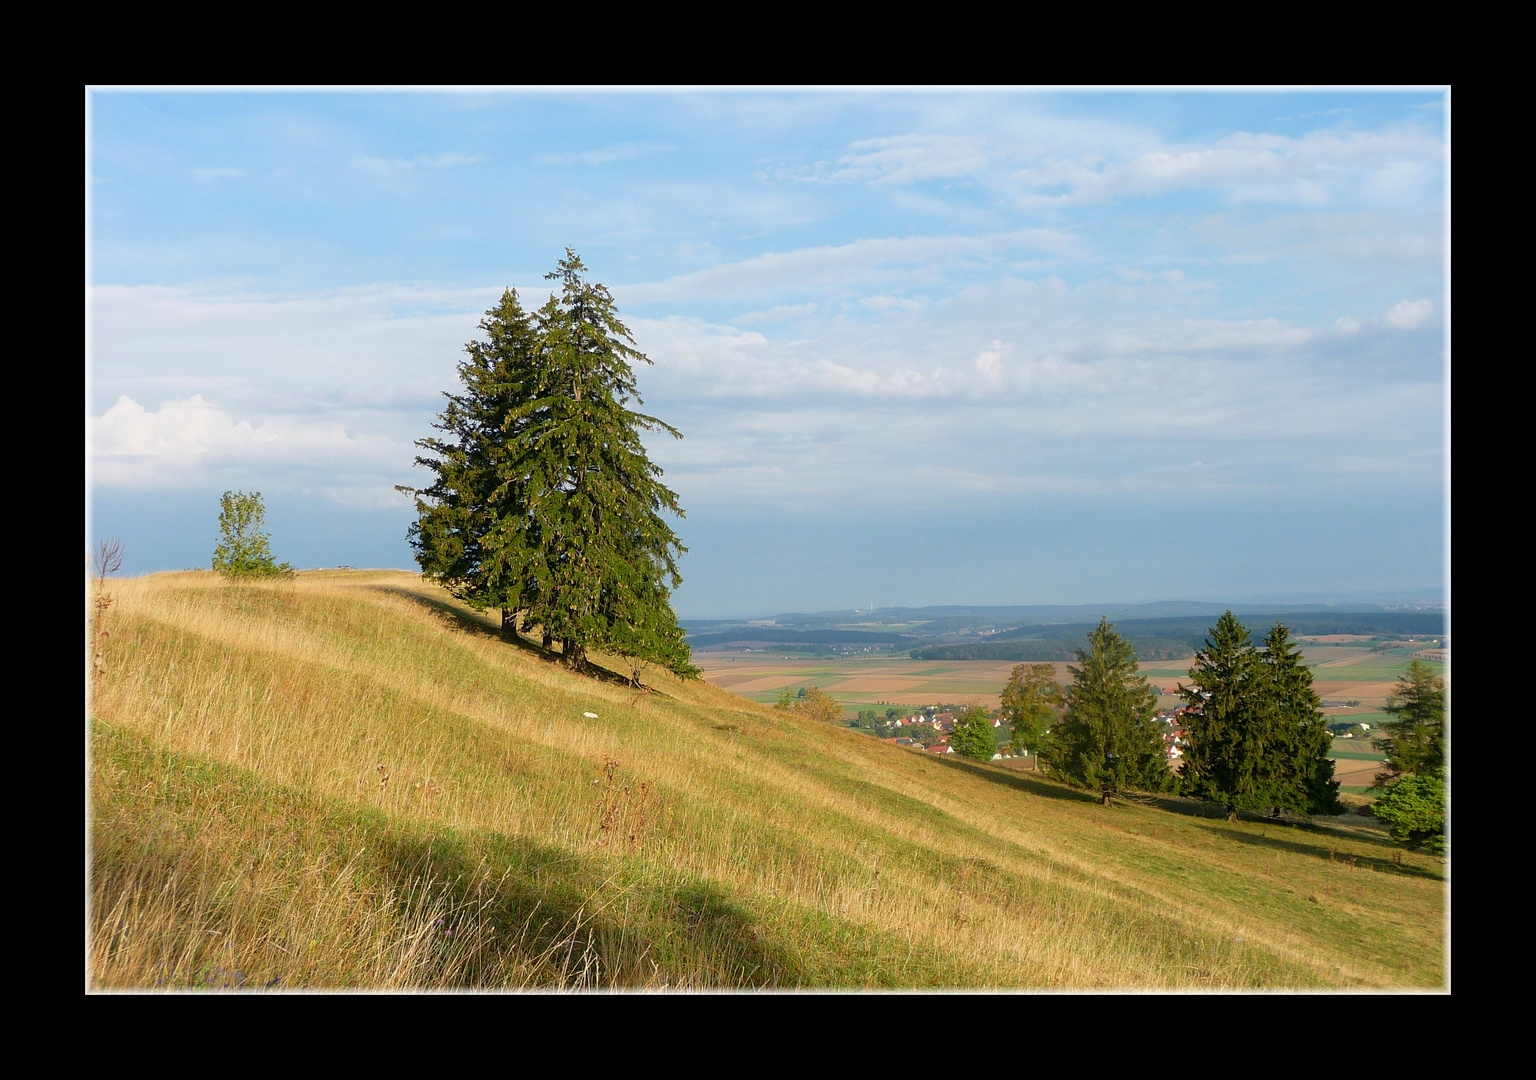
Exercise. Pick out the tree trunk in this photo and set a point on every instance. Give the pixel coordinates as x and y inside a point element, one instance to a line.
<point>1231,813</point>
<point>549,641</point>
<point>573,655</point>
<point>1105,794</point>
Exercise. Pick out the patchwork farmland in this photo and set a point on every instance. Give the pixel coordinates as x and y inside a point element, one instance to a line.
<point>1353,675</point>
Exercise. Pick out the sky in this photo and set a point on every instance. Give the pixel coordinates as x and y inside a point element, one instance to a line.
<point>1001,347</point>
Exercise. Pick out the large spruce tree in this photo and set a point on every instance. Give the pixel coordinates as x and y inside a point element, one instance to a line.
<point>466,534</point>
<point>1295,771</point>
<point>1108,738</point>
<point>1255,736</point>
<point>1224,729</point>
<point>1414,739</point>
<point>546,504</point>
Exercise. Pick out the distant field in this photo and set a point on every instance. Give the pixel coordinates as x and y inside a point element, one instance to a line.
<point>862,683</point>
<point>1339,674</point>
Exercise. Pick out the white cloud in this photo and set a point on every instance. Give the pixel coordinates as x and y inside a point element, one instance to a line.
<point>1380,243</point>
<point>882,302</point>
<point>326,391</point>
<point>1075,354</point>
<point>1408,314</point>
<point>844,263</point>
<point>1311,170</point>
<point>190,439</point>
<point>420,161</point>
<point>371,347</point>
<point>905,159</point>
<point>783,313</point>
<point>626,151</point>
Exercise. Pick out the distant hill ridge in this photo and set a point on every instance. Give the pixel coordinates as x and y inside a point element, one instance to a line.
<point>1165,638</point>
<point>1049,613</point>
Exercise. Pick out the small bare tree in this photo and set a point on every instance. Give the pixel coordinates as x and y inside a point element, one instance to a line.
<point>106,558</point>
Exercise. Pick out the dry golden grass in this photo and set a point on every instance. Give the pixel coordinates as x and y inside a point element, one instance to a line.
<point>347,779</point>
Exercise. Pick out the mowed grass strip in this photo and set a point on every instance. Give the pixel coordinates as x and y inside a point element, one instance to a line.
<point>841,861</point>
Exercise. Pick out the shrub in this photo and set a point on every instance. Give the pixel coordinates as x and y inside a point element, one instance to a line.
<point>973,736</point>
<point>813,702</point>
<point>244,550</point>
<point>1414,807</point>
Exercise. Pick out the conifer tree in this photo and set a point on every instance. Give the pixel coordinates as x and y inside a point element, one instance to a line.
<point>1414,739</point>
<point>1224,729</point>
<point>546,504</point>
<point>1108,738</point>
<point>1295,772</point>
<point>973,736</point>
<point>462,536</point>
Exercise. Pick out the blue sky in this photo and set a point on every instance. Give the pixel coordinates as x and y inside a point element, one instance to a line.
<point>923,347</point>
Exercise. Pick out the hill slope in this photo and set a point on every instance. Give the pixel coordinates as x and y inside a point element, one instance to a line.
<point>348,780</point>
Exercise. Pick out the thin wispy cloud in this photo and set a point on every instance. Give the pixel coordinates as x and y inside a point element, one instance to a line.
<point>846,263</point>
<point>1315,170</point>
<point>419,161</point>
<point>608,155</point>
<point>905,159</point>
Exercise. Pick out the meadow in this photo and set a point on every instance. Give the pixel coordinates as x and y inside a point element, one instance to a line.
<point>347,779</point>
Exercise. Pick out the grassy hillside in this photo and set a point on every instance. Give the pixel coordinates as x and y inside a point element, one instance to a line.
<point>346,779</point>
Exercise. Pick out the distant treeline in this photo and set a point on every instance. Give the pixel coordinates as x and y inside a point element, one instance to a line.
<point>1174,638</point>
<point>799,637</point>
<point>1193,628</point>
<point>1041,649</point>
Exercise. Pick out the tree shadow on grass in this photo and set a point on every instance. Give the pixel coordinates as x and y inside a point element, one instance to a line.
<point>1188,807</point>
<point>571,921</point>
<point>1195,808</point>
<point>476,908</point>
<point>1382,864</point>
<point>470,624</point>
<point>1032,785</point>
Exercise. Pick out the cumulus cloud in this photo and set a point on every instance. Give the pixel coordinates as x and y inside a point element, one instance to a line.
<point>192,439</point>
<point>1408,314</point>
<point>376,347</point>
<point>1079,350</point>
<point>326,391</point>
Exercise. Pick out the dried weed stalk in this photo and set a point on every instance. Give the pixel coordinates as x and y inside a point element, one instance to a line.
<point>107,558</point>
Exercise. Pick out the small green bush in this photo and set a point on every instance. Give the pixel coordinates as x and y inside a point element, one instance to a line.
<point>973,736</point>
<point>244,550</point>
<point>1414,807</point>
